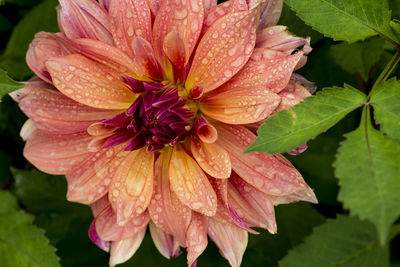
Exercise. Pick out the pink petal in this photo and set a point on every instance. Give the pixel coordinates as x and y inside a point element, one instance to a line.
<point>89,83</point>
<point>99,205</point>
<point>91,179</point>
<point>209,4</point>
<point>105,4</point>
<point>184,16</point>
<point>206,132</point>
<point>84,19</point>
<point>223,50</point>
<point>45,46</point>
<point>270,12</point>
<point>266,68</point>
<point>176,51</point>
<point>27,129</point>
<point>240,105</point>
<point>251,205</point>
<point>104,245</point>
<point>231,241</point>
<point>132,185</point>
<point>109,230</point>
<point>196,240</point>
<point>145,61</point>
<point>154,5</point>
<point>212,158</point>
<point>56,153</point>
<point>190,184</point>
<point>53,112</point>
<point>130,19</point>
<point>271,174</point>
<point>165,243</point>
<point>123,250</point>
<point>293,94</point>
<point>166,210</point>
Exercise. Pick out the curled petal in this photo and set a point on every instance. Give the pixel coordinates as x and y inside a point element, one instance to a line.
<point>212,158</point>
<point>270,11</point>
<point>99,205</point>
<point>154,5</point>
<point>292,95</point>
<point>89,83</point>
<point>130,19</point>
<point>56,153</point>
<point>84,19</point>
<point>299,150</point>
<point>145,60</point>
<point>104,245</point>
<point>231,241</point>
<point>196,240</point>
<point>240,105</point>
<point>123,250</point>
<point>105,4</point>
<point>223,50</point>
<point>271,174</point>
<point>209,4</point>
<point>167,212</point>
<point>132,185</point>
<point>28,129</point>
<point>190,183</point>
<point>45,46</point>
<point>165,243</point>
<point>206,132</point>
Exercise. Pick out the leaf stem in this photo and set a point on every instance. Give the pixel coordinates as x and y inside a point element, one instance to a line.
<point>388,69</point>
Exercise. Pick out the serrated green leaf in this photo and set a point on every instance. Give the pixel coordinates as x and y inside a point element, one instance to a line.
<point>21,243</point>
<point>385,99</point>
<point>345,241</point>
<point>288,129</point>
<point>358,57</point>
<point>368,169</point>
<point>7,84</point>
<point>346,20</point>
<point>43,17</point>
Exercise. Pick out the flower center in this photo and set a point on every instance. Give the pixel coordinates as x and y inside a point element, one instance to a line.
<point>158,117</point>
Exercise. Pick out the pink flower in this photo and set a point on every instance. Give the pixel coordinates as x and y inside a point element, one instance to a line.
<point>147,106</point>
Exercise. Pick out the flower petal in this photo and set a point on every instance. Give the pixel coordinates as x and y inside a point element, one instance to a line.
<point>266,68</point>
<point>205,130</point>
<point>104,245</point>
<point>145,61</point>
<point>231,241</point>
<point>293,94</point>
<point>223,50</point>
<point>209,4</point>
<point>129,19</point>
<point>132,185</point>
<point>91,179</point>
<point>212,158</point>
<point>123,250</point>
<point>196,239</point>
<point>89,83</point>
<point>270,11</point>
<point>45,46</point>
<point>167,212</point>
<point>165,243</point>
<point>154,5</point>
<point>184,16</point>
<point>53,112</point>
<point>84,19</point>
<point>240,105</point>
<point>105,4</point>
<point>190,183</point>
<point>56,153</point>
<point>271,174</point>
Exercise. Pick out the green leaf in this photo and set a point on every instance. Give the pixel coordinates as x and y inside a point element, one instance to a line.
<point>345,241</point>
<point>358,57</point>
<point>368,168</point>
<point>346,20</point>
<point>395,7</point>
<point>21,243</point>
<point>290,128</point>
<point>7,85</point>
<point>43,17</point>
<point>385,99</point>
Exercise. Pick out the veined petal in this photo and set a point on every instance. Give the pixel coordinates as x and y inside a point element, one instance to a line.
<point>166,210</point>
<point>209,4</point>
<point>251,205</point>
<point>104,245</point>
<point>132,186</point>
<point>45,46</point>
<point>89,83</point>
<point>84,19</point>
<point>154,5</point>
<point>223,50</point>
<point>212,158</point>
<point>53,112</point>
<point>145,61</point>
<point>240,105</point>
<point>270,174</point>
<point>175,49</point>
<point>231,241</point>
<point>184,16</point>
<point>166,244</point>
<point>196,240</point>
<point>123,250</point>
<point>130,19</point>
<point>108,229</point>
<point>56,153</point>
<point>267,68</point>
<point>190,183</point>
<point>105,4</point>
<point>270,11</point>
<point>293,94</point>
<point>91,179</point>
